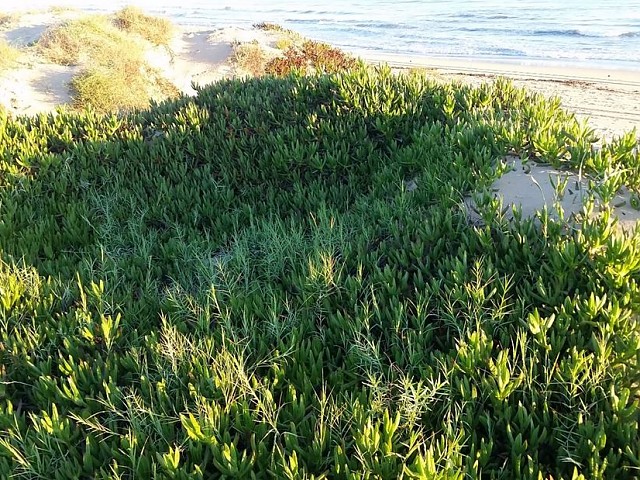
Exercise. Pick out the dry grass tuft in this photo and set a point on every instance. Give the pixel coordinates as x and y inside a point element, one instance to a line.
<point>423,72</point>
<point>109,88</point>
<point>91,39</point>
<point>124,86</point>
<point>251,58</point>
<point>158,31</point>
<point>60,9</point>
<point>8,55</point>
<point>6,19</point>
<point>274,27</point>
<point>116,76</point>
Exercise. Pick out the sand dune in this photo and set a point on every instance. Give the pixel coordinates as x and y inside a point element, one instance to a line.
<point>35,85</point>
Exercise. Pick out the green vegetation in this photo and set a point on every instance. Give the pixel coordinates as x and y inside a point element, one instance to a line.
<point>240,285</point>
<point>115,74</point>
<point>8,55</point>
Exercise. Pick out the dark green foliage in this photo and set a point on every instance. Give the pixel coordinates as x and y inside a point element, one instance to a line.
<point>272,27</point>
<point>242,285</point>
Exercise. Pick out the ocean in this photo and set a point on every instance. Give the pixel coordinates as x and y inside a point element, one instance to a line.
<point>589,33</point>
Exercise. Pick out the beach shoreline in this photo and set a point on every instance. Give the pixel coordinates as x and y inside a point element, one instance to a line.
<point>570,31</point>
<point>610,98</point>
<point>542,69</point>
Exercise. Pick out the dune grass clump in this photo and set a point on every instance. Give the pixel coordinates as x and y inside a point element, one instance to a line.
<point>60,9</point>
<point>6,18</point>
<point>274,27</point>
<point>251,58</point>
<point>158,31</point>
<point>241,285</point>
<point>105,89</point>
<point>92,39</point>
<point>126,86</point>
<point>269,27</point>
<point>115,75</point>
<point>9,55</point>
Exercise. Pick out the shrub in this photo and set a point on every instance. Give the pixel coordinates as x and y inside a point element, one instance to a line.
<point>250,57</point>
<point>312,56</point>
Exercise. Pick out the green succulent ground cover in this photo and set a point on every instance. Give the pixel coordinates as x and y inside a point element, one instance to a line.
<point>241,285</point>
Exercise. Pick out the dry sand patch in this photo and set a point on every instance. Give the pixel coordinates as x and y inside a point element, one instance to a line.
<point>532,187</point>
<point>193,57</point>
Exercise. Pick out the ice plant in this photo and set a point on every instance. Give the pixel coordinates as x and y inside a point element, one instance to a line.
<point>241,284</point>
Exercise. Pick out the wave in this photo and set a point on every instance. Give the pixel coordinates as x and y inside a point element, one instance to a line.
<point>578,33</point>
<point>497,30</point>
<point>349,24</point>
<point>550,32</point>
<point>385,25</point>
<point>394,28</point>
<point>562,33</point>
<point>481,16</point>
